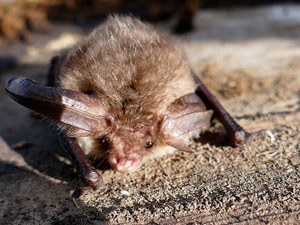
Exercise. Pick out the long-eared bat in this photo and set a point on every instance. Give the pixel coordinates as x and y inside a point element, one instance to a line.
<point>125,93</point>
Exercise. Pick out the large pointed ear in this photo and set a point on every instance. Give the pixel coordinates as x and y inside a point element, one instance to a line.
<point>184,115</point>
<point>64,106</point>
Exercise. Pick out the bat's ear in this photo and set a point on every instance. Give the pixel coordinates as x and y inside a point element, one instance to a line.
<point>184,115</point>
<point>61,105</point>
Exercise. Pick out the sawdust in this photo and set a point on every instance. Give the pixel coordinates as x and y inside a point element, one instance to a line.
<point>241,83</point>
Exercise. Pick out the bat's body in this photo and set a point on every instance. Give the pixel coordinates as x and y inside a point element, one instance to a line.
<point>135,73</point>
<point>125,93</point>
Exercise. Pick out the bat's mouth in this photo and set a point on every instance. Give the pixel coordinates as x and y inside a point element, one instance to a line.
<point>125,165</point>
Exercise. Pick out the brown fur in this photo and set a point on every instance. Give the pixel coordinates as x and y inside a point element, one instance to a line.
<point>136,73</point>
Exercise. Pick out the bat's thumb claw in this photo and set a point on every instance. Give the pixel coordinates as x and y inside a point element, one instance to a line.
<point>270,134</point>
<point>243,138</point>
<point>263,133</point>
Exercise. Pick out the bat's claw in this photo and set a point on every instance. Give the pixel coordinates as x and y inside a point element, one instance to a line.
<point>264,133</point>
<point>81,191</point>
<point>93,179</point>
<point>243,138</point>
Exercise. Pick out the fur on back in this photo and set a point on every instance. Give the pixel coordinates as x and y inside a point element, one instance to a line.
<point>132,69</point>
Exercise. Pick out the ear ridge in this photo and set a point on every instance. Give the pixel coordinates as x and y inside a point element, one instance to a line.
<point>185,114</point>
<point>175,127</point>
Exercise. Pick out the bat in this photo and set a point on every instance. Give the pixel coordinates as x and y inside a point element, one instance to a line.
<point>126,93</point>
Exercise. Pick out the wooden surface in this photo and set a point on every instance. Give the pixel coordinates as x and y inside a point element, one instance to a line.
<point>250,59</point>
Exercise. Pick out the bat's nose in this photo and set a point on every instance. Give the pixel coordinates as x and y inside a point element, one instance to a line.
<point>124,165</point>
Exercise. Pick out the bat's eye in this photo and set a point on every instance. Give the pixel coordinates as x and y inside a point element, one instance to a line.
<point>149,144</point>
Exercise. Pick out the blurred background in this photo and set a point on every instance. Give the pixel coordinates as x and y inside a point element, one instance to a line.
<point>18,18</point>
<point>22,20</point>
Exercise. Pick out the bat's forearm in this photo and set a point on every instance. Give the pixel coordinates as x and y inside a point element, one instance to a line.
<point>238,136</point>
<point>88,173</point>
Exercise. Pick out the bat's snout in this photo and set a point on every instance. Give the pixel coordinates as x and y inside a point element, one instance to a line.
<point>124,165</point>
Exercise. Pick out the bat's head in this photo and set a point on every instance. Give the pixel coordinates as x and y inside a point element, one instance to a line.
<point>127,146</point>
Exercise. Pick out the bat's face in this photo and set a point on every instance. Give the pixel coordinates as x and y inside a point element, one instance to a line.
<point>128,148</point>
